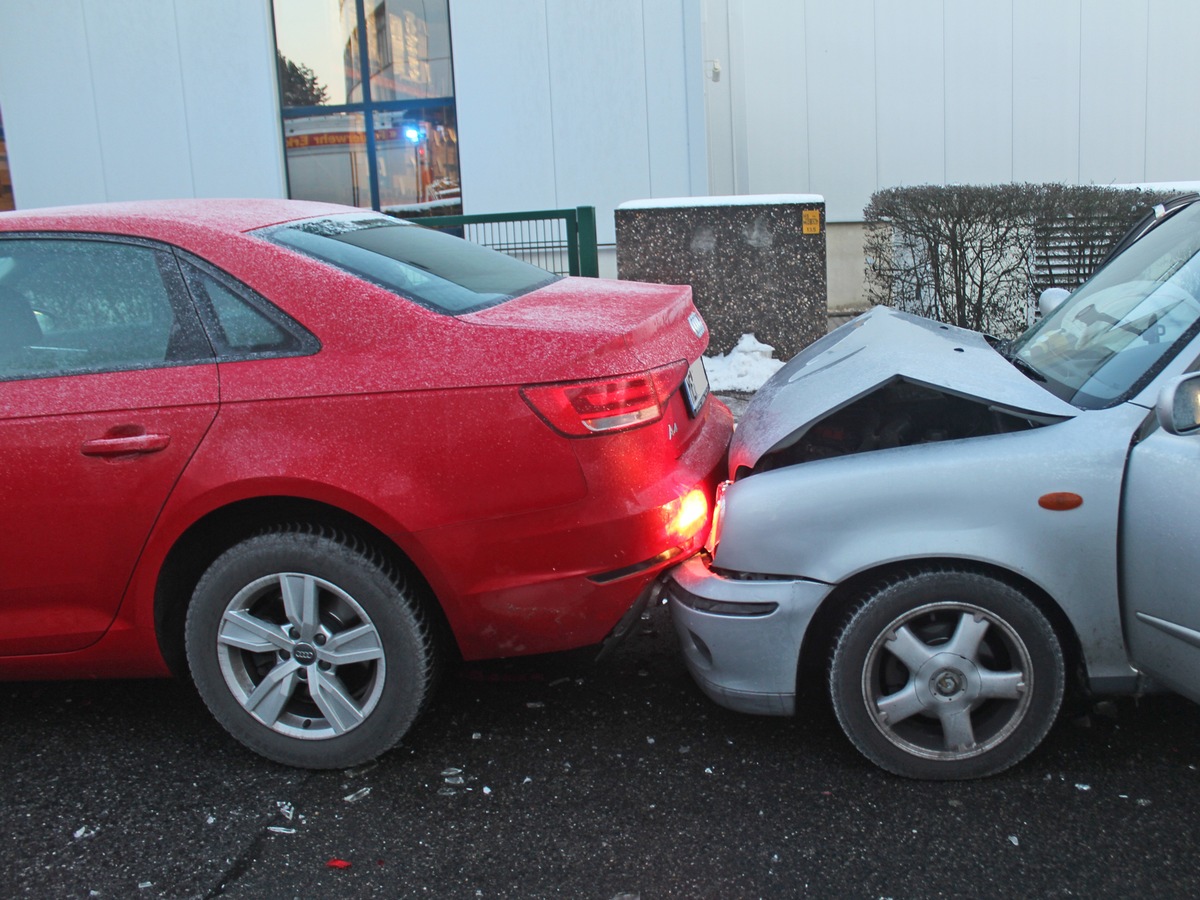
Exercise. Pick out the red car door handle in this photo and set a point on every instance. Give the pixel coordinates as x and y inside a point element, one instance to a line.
<point>134,443</point>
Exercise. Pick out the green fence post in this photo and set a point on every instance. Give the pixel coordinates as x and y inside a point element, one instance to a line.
<point>589,259</point>
<point>570,219</point>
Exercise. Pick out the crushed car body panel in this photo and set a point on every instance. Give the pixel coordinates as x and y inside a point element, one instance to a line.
<point>874,350</point>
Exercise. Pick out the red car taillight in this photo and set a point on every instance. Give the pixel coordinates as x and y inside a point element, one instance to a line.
<point>580,408</point>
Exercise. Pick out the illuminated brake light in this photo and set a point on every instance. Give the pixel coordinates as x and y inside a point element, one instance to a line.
<point>687,515</point>
<point>580,408</point>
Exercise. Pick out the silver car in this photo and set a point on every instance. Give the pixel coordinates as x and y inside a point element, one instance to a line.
<point>944,526</point>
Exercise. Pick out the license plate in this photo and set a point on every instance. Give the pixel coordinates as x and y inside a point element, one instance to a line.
<point>695,387</point>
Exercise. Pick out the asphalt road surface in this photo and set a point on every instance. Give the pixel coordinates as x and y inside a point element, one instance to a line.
<point>559,779</point>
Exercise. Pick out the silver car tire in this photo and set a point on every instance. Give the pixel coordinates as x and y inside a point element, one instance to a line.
<point>946,675</point>
<point>306,646</point>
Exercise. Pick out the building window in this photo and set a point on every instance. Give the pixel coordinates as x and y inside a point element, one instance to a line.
<point>370,121</point>
<point>6,191</point>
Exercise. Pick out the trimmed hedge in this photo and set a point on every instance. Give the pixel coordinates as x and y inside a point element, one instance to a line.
<point>978,255</point>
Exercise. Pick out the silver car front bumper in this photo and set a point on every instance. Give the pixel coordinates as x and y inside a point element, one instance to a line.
<point>741,638</point>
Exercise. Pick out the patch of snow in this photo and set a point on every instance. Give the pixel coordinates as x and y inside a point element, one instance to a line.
<point>730,200</point>
<point>1183,187</point>
<point>744,368</point>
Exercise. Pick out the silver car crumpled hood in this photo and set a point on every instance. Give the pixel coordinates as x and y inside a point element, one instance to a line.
<point>868,352</point>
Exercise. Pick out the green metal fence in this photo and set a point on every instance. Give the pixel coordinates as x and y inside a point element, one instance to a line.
<point>560,240</point>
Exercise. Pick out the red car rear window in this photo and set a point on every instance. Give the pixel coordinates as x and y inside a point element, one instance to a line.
<point>443,273</point>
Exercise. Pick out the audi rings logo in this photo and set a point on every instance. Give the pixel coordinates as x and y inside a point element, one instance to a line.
<point>305,654</point>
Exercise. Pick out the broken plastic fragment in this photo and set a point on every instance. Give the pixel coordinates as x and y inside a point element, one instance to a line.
<point>486,789</point>
<point>1012,839</point>
<point>1083,787</point>
<point>285,809</point>
<point>357,795</point>
<point>84,831</point>
<point>280,829</point>
<point>446,773</point>
<point>338,864</point>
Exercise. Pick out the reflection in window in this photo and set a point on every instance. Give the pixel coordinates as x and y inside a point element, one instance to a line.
<point>6,191</point>
<point>327,158</point>
<point>370,122</point>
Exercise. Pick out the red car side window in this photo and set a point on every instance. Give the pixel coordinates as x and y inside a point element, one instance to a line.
<point>73,306</point>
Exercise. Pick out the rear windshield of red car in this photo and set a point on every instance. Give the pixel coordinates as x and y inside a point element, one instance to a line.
<point>443,273</point>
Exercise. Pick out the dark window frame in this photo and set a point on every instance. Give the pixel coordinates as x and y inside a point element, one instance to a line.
<point>367,107</point>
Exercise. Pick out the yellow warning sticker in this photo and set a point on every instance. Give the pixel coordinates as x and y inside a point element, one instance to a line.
<point>810,220</point>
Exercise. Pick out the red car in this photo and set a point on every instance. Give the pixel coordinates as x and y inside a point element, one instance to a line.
<point>309,452</point>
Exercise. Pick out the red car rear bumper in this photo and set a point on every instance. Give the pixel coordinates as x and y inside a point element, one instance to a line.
<point>562,578</point>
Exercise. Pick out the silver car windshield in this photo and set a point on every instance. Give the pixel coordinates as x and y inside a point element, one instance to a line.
<point>1110,336</point>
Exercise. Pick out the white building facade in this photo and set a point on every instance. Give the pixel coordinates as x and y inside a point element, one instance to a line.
<point>560,103</point>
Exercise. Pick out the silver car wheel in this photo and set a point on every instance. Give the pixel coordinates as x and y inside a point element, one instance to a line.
<point>947,681</point>
<point>301,656</point>
<point>309,646</point>
<point>946,674</point>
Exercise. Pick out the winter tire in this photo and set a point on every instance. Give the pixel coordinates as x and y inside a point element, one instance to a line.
<point>946,675</point>
<point>308,649</point>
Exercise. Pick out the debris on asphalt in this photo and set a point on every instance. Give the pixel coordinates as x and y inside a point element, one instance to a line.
<point>357,795</point>
<point>338,864</point>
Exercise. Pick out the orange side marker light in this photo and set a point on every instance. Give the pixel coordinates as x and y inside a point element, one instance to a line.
<point>1059,501</point>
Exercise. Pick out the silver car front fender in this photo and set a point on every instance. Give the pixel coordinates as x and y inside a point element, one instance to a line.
<point>975,500</point>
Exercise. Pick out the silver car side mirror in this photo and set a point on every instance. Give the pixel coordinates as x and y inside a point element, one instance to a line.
<point>1051,299</point>
<point>1178,406</point>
